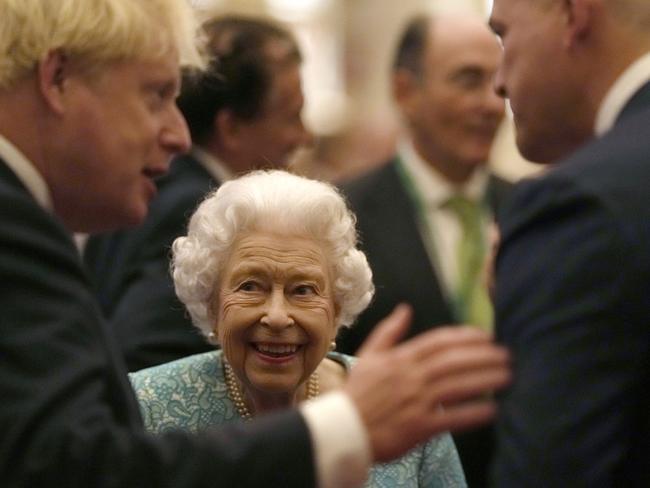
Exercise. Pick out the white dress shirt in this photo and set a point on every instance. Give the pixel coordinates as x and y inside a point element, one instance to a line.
<point>442,232</point>
<point>633,78</point>
<point>26,173</point>
<point>212,165</point>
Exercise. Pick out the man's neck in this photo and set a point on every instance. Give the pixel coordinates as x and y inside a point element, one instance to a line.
<point>452,171</point>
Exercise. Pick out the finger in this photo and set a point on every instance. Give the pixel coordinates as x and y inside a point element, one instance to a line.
<point>460,388</point>
<point>389,331</point>
<point>427,344</point>
<point>464,416</point>
<point>465,359</point>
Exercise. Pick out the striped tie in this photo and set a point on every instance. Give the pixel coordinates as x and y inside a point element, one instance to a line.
<point>473,304</point>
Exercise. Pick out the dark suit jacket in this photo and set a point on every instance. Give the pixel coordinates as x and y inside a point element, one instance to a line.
<point>130,270</point>
<point>573,305</point>
<point>402,272</point>
<point>67,413</point>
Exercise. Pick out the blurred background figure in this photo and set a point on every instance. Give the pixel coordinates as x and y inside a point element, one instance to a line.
<point>347,48</point>
<point>244,113</point>
<point>424,216</point>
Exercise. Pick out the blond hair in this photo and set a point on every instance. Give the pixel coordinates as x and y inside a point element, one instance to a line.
<point>96,32</point>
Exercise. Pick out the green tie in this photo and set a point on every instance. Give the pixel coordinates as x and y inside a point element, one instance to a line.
<point>472,302</point>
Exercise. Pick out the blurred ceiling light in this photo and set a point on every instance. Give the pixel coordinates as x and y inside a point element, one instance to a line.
<point>199,3</point>
<point>296,8</point>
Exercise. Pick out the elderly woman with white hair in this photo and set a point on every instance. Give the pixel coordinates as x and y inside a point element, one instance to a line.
<point>269,271</point>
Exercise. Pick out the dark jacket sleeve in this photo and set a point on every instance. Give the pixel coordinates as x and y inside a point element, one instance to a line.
<point>67,413</point>
<point>571,304</point>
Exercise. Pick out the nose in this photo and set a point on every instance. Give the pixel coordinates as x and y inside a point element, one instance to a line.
<point>493,102</point>
<point>499,83</point>
<point>175,135</point>
<point>276,315</point>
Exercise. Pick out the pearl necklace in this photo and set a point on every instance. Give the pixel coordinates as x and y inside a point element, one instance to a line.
<point>313,390</point>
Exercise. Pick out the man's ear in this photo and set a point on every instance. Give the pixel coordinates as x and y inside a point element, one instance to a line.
<point>52,74</point>
<point>405,89</point>
<point>227,129</point>
<point>579,20</point>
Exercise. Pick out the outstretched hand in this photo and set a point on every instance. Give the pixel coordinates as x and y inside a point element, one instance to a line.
<point>438,381</point>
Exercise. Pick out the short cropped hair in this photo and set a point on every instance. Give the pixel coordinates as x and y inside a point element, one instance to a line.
<point>412,45</point>
<point>95,32</point>
<point>271,201</point>
<point>239,74</point>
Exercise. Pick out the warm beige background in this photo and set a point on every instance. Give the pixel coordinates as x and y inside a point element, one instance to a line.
<point>348,45</point>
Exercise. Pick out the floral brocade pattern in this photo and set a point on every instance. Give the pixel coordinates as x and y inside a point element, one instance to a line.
<point>191,394</point>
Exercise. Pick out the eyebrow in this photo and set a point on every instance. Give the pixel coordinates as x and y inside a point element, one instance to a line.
<point>296,273</point>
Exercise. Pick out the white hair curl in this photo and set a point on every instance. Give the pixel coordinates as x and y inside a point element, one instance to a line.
<point>275,201</point>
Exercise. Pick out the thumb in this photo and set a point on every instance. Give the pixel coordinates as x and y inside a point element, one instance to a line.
<point>388,332</point>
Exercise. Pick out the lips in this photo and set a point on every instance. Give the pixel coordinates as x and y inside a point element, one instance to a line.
<point>275,350</point>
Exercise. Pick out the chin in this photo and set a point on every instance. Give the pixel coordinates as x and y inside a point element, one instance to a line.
<point>475,162</point>
<point>534,152</point>
<point>135,218</point>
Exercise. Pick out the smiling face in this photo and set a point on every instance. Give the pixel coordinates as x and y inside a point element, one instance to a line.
<point>275,312</point>
<point>452,110</point>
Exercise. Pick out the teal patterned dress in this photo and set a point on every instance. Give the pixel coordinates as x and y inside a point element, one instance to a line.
<point>191,394</point>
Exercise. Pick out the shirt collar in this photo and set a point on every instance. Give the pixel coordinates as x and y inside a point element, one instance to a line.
<point>432,187</point>
<point>632,79</point>
<point>26,173</point>
<point>212,165</point>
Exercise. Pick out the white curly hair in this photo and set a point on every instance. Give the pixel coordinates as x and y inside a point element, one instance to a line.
<point>275,201</point>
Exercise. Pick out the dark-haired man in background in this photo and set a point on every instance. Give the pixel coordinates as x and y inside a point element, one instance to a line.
<point>244,113</point>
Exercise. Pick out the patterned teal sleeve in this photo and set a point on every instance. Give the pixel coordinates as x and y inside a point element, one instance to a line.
<point>441,465</point>
<point>434,464</point>
<point>188,394</point>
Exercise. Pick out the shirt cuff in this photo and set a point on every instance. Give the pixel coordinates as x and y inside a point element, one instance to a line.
<point>340,441</point>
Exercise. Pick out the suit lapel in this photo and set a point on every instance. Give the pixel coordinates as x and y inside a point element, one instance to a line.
<point>407,260</point>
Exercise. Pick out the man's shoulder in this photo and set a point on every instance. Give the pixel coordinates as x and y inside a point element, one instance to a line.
<point>23,219</point>
<point>205,365</point>
<point>613,168</point>
<point>370,183</point>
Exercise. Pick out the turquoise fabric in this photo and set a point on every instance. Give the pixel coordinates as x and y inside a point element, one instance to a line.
<point>191,394</point>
